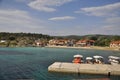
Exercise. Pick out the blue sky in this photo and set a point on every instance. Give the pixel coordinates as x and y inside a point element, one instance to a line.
<point>60,17</point>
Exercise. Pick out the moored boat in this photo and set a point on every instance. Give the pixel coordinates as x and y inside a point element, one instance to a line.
<point>78,58</point>
<point>114,60</point>
<point>98,59</point>
<point>89,60</point>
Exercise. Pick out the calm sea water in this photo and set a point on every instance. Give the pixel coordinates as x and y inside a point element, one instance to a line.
<point>32,63</point>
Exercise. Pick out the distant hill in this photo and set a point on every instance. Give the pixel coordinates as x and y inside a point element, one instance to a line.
<point>21,39</point>
<point>6,36</point>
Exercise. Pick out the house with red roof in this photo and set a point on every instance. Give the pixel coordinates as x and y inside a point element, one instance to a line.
<point>115,44</point>
<point>85,43</point>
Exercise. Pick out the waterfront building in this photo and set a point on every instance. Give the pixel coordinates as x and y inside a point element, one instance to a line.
<point>85,43</point>
<point>115,44</point>
<point>56,42</point>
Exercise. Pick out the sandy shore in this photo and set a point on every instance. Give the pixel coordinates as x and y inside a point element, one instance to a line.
<point>92,47</point>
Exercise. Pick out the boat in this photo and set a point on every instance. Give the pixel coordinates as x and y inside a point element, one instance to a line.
<point>89,60</point>
<point>114,60</point>
<point>79,57</point>
<point>98,59</point>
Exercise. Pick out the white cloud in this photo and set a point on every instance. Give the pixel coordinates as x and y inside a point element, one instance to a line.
<point>18,20</point>
<point>112,23</point>
<point>111,17</point>
<point>113,20</point>
<point>112,27</point>
<point>106,10</point>
<point>47,5</point>
<point>62,18</point>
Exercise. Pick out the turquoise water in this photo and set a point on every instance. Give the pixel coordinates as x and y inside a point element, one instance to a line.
<point>32,63</point>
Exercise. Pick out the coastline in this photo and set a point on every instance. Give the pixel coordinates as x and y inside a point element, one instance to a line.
<point>71,47</point>
<point>91,47</point>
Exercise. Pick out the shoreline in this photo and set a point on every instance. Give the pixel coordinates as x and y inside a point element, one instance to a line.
<point>72,47</point>
<point>92,47</point>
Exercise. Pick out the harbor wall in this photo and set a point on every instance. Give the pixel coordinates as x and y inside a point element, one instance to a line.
<point>105,69</point>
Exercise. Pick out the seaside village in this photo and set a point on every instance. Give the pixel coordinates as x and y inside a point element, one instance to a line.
<point>74,43</point>
<point>60,43</point>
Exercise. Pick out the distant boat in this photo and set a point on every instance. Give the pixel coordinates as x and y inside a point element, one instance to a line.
<point>114,60</point>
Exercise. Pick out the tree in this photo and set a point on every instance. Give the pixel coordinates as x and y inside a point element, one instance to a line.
<point>11,38</point>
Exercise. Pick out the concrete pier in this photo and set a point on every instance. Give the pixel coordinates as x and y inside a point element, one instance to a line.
<point>104,69</point>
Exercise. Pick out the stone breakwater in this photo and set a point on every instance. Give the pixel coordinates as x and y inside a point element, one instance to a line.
<point>104,69</point>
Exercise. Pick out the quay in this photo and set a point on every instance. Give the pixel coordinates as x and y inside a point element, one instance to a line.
<point>105,69</point>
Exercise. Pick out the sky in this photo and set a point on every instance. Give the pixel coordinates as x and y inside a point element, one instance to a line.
<point>60,17</point>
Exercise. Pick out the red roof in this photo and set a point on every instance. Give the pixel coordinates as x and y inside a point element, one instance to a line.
<point>115,42</point>
<point>84,41</point>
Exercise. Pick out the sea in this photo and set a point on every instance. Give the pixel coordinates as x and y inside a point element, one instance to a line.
<point>31,63</point>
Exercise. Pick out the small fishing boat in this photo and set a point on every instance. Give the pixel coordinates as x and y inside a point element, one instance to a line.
<point>98,59</point>
<point>78,55</point>
<point>89,60</point>
<point>78,58</point>
<point>114,60</point>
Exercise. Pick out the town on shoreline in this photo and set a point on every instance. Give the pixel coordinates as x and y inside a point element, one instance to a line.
<point>104,42</point>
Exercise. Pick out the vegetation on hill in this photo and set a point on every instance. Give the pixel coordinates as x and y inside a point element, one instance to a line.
<point>21,39</point>
<point>28,39</point>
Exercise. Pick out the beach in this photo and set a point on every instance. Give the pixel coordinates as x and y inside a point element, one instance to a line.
<point>91,47</point>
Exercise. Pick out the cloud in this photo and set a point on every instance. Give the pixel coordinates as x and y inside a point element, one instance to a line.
<point>18,20</point>
<point>113,20</point>
<point>47,5</point>
<point>62,18</point>
<point>112,24</point>
<point>111,17</point>
<point>111,27</point>
<point>106,10</point>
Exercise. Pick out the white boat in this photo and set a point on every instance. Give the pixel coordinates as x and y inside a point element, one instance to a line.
<point>98,59</point>
<point>79,56</point>
<point>89,60</point>
<point>114,60</point>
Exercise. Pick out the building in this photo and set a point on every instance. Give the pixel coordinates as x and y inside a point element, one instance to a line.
<point>39,43</point>
<point>115,44</point>
<point>71,43</point>
<point>85,43</point>
<point>56,42</point>
<point>52,42</point>
<point>2,41</point>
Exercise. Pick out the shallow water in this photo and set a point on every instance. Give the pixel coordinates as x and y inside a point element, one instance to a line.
<point>32,63</point>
